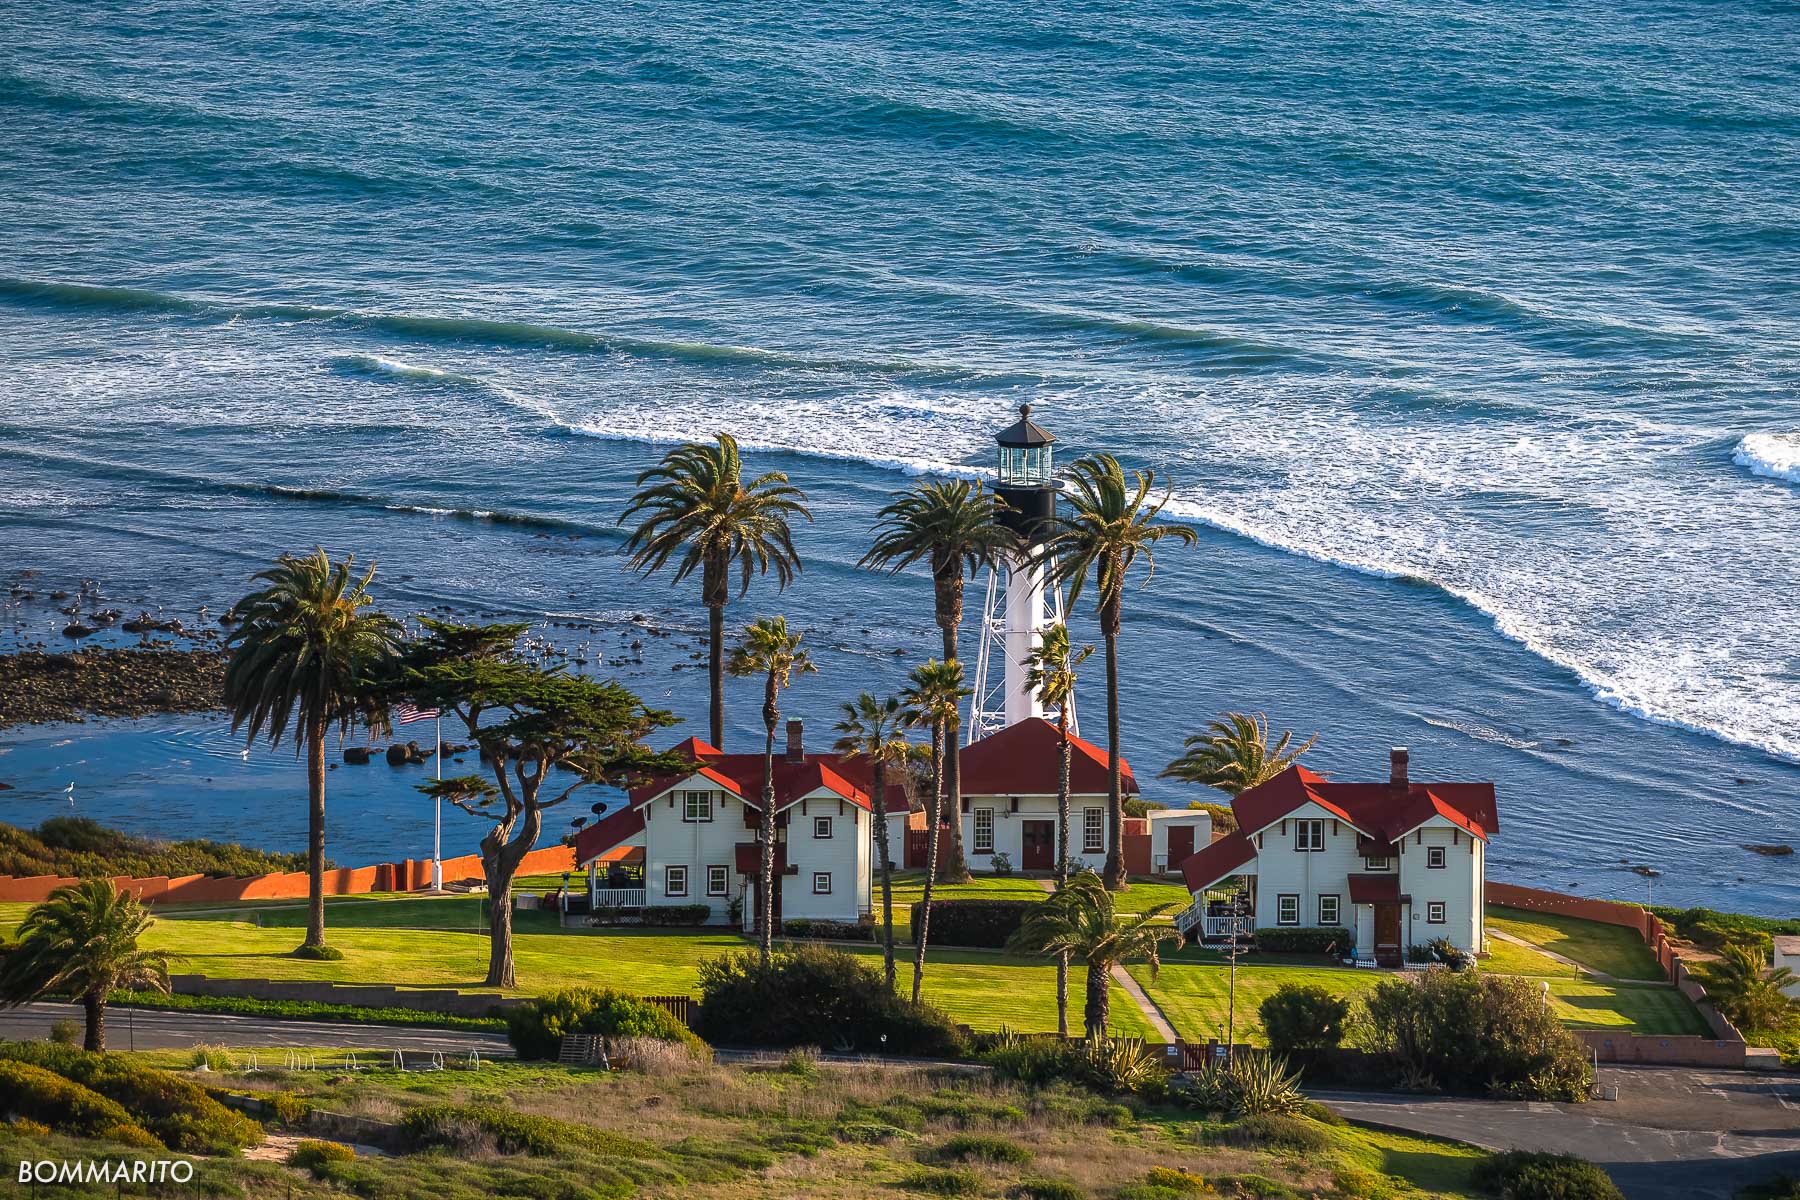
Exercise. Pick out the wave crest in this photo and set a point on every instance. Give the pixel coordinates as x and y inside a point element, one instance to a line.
<point>1771,455</point>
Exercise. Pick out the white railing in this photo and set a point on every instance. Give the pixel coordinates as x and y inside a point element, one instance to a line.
<point>617,897</point>
<point>1226,927</point>
<point>1187,918</point>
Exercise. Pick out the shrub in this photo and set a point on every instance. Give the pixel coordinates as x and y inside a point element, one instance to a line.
<point>834,931</point>
<point>1001,863</point>
<point>78,846</point>
<point>1174,1179</point>
<point>943,1181</point>
<point>1286,940</point>
<point>677,914</point>
<point>983,1147</point>
<point>874,1133</point>
<point>1323,1115</point>
<point>211,1058</point>
<point>1779,1187</point>
<point>64,1032</point>
<point>290,1108</point>
<point>177,1111</point>
<point>1275,1131</point>
<point>1249,1184</point>
<point>465,1128</point>
<point>1476,1032</point>
<point>1364,1185</point>
<point>319,953</point>
<point>536,1029</point>
<point>983,923</point>
<point>1036,1061</point>
<point>1304,1023</point>
<point>43,1096</point>
<point>1248,1085</point>
<point>318,1157</point>
<point>1045,1189</point>
<point>1122,1065</point>
<point>813,995</point>
<point>1523,1175</point>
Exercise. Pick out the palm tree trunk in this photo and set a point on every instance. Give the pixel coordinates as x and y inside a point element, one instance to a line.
<point>1114,875</point>
<point>887,883</point>
<point>935,809</point>
<point>94,1004</point>
<point>315,833</point>
<point>955,868</point>
<point>1062,861</point>
<point>715,670</point>
<point>765,902</point>
<point>1099,1000</point>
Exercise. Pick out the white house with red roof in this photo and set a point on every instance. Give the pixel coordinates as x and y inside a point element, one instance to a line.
<point>1393,864</point>
<point>698,834</point>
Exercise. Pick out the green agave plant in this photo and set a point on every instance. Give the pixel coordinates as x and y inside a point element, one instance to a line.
<point>1249,1085</point>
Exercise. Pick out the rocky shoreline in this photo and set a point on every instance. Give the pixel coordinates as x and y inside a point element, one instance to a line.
<point>36,688</point>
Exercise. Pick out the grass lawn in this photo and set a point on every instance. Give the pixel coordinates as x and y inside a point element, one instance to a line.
<point>909,889</point>
<point>1610,949</point>
<point>1510,958</point>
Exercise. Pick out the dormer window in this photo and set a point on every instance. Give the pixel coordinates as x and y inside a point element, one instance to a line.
<point>697,806</point>
<point>1309,836</point>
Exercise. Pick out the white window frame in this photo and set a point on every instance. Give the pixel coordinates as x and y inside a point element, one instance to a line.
<point>1336,916</point>
<point>821,827</point>
<point>1309,837</point>
<point>821,875</point>
<point>722,876</point>
<point>1436,858</point>
<point>1435,906</point>
<point>1093,830</point>
<point>696,807</point>
<point>1287,908</point>
<point>1381,863</point>
<point>984,831</point>
<point>670,875</point>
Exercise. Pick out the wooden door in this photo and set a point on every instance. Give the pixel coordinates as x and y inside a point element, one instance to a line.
<point>1040,845</point>
<point>1387,934</point>
<point>1181,845</point>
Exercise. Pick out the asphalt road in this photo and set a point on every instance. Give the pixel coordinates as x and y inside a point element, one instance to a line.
<point>149,1029</point>
<point>1673,1134</point>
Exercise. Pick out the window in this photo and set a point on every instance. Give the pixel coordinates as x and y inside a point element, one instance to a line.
<point>1434,913</point>
<point>1287,910</point>
<point>821,827</point>
<point>717,880</point>
<point>821,883</point>
<point>1434,857</point>
<point>984,831</point>
<point>674,881</point>
<point>1377,864</point>
<point>696,806</point>
<point>1093,830</point>
<point>1309,835</point>
<point>1328,910</point>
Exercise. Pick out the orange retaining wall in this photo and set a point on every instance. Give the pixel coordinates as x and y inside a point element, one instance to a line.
<point>408,875</point>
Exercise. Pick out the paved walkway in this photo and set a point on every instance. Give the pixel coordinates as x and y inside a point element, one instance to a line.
<point>1673,1134</point>
<point>154,1029</point>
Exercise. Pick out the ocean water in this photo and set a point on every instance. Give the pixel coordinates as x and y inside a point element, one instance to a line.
<point>1467,334</point>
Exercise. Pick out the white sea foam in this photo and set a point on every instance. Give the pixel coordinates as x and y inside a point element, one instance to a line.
<point>1772,455</point>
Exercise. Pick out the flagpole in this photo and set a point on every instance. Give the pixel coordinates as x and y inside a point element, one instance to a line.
<point>437,820</point>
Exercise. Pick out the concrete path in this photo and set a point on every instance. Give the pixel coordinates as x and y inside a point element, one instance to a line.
<point>152,1029</point>
<point>1673,1134</point>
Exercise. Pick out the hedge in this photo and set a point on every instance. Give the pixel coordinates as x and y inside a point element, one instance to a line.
<point>1303,940</point>
<point>677,914</point>
<point>43,1096</point>
<point>177,1111</point>
<point>536,1029</point>
<point>306,1010</point>
<point>982,923</point>
<point>835,931</point>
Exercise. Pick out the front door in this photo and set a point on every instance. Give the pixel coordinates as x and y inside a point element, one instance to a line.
<point>1387,935</point>
<point>1181,846</point>
<point>1040,845</point>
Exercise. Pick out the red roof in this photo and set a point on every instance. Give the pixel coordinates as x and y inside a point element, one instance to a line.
<point>1374,889</point>
<point>600,837</point>
<point>1378,810</point>
<point>1202,870</point>
<point>742,776</point>
<point>1023,760</point>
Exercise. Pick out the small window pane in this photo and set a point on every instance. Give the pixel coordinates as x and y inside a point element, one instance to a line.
<point>821,883</point>
<point>821,827</point>
<point>1093,830</point>
<point>1287,910</point>
<point>1328,910</point>
<point>675,881</point>
<point>984,831</point>
<point>717,880</point>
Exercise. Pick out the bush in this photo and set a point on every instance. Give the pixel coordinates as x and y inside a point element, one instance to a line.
<point>319,953</point>
<point>1248,1085</point>
<point>1475,1033</point>
<point>64,1032</point>
<point>536,1028</point>
<point>1288,940</point>
<point>177,1111</point>
<point>834,931</point>
<point>77,846</point>
<point>290,1108</point>
<point>43,1096</point>
<point>1045,1189</point>
<point>1001,863</point>
<point>1174,1179</point>
<point>677,914</point>
<point>1275,1131</point>
<point>1523,1175</point>
<point>982,923</point>
<point>1034,1061</point>
<point>1112,1065</point>
<point>467,1128</point>
<point>1304,1023</point>
<point>873,1133</point>
<point>318,1157</point>
<point>943,1181</point>
<point>983,1147</point>
<point>816,995</point>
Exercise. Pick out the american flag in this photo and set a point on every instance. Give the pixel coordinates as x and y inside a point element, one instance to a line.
<point>406,714</point>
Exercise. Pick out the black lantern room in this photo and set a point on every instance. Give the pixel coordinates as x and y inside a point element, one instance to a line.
<point>1027,474</point>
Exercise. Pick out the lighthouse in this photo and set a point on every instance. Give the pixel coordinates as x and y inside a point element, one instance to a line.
<point>1021,600</point>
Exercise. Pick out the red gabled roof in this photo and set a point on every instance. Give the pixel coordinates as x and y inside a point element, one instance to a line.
<point>1202,870</point>
<point>607,832</point>
<point>1374,889</point>
<point>1379,810</point>
<point>742,776</point>
<point>1023,759</point>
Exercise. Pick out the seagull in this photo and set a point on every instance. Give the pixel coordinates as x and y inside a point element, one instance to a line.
<point>70,792</point>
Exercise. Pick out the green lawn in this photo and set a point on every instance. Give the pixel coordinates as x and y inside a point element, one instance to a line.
<point>1610,949</point>
<point>909,889</point>
<point>1509,958</point>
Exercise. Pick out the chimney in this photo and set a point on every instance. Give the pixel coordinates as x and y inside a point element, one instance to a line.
<point>1397,767</point>
<point>795,752</point>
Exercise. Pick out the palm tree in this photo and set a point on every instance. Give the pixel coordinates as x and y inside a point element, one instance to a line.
<point>695,503</point>
<point>954,525</point>
<point>1107,528</point>
<point>769,650</point>
<point>1079,920</point>
<point>871,730</point>
<point>307,651</point>
<point>1740,985</point>
<point>82,941</point>
<point>1234,754</point>
<point>1050,672</point>
<point>933,698</point>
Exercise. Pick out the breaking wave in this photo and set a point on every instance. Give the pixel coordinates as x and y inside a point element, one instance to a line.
<point>1771,455</point>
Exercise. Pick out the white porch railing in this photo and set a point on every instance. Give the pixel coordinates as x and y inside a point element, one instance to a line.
<point>1221,927</point>
<point>617,897</point>
<point>1192,915</point>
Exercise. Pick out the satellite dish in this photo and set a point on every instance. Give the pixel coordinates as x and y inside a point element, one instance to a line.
<point>598,809</point>
<point>578,822</point>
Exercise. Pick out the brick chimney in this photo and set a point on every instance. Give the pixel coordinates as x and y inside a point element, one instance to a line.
<point>1397,767</point>
<point>795,750</point>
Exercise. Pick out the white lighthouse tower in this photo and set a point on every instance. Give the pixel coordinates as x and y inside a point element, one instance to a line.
<point>1021,600</point>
